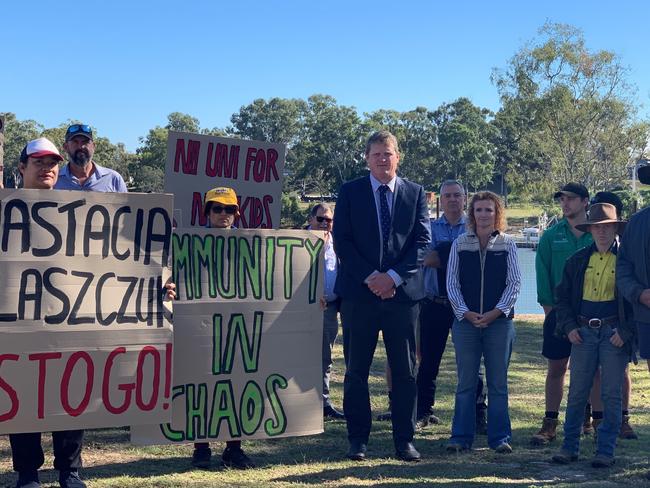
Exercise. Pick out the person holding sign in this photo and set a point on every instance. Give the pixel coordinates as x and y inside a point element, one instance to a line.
<point>82,173</point>
<point>221,209</point>
<point>39,167</point>
<point>381,230</point>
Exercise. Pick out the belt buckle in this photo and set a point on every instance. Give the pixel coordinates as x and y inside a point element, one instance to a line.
<point>595,323</point>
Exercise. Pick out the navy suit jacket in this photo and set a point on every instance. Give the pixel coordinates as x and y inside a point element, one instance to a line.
<point>357,239</point>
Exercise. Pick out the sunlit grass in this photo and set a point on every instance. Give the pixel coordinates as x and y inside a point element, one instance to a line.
<point>318,461</point>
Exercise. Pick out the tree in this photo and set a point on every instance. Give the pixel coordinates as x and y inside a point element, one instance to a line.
<point>17,134</point>
<point>583,117</point>
<point>416,134</point>
<point>518,161</point>
<point>147,169</point>
<point>278,120</point>
<point>465,142</point>
<point>331,148</point>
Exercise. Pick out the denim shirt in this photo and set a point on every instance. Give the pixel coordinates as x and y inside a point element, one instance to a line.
<point>441,231</point>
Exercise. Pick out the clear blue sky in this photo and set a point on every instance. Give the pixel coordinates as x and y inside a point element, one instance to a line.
<point>123,66</point>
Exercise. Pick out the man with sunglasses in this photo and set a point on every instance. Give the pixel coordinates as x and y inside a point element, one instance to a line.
<point>320,218</point>
<point>81,172</point>
<point>39,168</point>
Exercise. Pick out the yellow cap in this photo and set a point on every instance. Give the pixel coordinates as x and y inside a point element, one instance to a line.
<point>222,195</point>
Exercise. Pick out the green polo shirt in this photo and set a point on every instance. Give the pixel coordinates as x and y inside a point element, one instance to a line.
<point>555,246</point>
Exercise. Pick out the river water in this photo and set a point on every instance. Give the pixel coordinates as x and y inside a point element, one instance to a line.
<point>527,301</point>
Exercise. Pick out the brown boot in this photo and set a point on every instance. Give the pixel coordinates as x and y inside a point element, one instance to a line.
<point>627,432</point>
<point>546,434</point>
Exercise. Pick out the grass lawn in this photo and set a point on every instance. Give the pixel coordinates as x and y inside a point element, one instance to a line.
<point>318,461</point>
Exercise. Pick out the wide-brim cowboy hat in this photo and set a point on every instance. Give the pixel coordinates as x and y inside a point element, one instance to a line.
<point>602,213</point>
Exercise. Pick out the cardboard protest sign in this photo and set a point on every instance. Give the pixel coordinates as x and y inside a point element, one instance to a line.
<point>247,337</point>
<point>197,163</point>
<point>83,338</point>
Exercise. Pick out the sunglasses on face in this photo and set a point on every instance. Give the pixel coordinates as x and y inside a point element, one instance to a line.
<point>320,220</point>
<point>79,129</point>
<point>217,209</point>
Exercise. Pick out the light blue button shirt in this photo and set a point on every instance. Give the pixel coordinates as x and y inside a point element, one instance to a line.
<point>102,180</point>
<point>441,231</point>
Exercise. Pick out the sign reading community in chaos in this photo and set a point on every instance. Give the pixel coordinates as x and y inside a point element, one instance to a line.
<point>84,341</point>
<point>197,163</point>
<point>247,337</point>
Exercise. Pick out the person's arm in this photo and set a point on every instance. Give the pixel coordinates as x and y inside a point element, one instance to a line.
<point>566,319</point>
<point>431,258</point>
<point>513,281</point>
<point>543,272</point>
<point>453,284</point>
<point>343,239</point>
<point>626,280</point>
<point>416,244</point>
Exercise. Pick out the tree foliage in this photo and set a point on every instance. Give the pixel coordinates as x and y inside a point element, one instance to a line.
<point>567,113</point>
<point>580,110</point>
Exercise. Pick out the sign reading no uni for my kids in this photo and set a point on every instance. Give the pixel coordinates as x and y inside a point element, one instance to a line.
<point>84,341</point>
<point>197,163</point>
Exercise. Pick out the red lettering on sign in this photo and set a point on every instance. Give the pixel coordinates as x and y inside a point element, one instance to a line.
<point>11,393</point>
<point>260,166</point>
<point>146,351</point>
<point>197,210</point>
<point>250,159</point>
<point>255,219</point>
<point>65,383</point>
<point>268,200</point>
<point>210,170</point>
<point>188,161</point>
<point>42,358</point>
<point>226,162</point>
<point>271,158</point>
<point>127,388</point>
<point>168,373</point>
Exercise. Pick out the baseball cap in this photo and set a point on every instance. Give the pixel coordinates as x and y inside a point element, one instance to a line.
<point>643,171</point>
<point>78,130</point>
<point>608,197</point>
<point>573,190</point>
<point>222,195</point>
<point>38,148</point>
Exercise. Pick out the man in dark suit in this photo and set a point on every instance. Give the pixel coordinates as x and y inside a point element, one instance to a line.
<point>381,230</point>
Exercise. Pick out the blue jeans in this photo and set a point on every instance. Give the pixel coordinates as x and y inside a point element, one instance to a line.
<point>595,351</point>
<point>494,344</point>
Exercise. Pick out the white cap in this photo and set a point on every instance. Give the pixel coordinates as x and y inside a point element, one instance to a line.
<point>38,148</point>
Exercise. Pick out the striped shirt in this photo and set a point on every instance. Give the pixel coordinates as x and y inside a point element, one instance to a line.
<point>469,244</point>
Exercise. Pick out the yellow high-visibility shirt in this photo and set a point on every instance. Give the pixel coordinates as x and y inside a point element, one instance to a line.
<point>600,277</point>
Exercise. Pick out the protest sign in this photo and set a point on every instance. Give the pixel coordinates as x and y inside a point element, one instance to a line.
<point>247,337</point>
<point>84,341</point>
<point>197,163</point>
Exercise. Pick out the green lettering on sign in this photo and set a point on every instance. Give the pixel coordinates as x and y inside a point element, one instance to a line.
<point>276,426</point>
<point>223,408</point>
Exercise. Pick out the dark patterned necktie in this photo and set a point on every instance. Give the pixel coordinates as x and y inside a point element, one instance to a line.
<point>384,215</point>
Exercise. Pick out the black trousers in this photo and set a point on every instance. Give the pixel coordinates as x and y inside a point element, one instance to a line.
<point>363,321</point>
<point>435,323</point>
<point>27,452</point>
